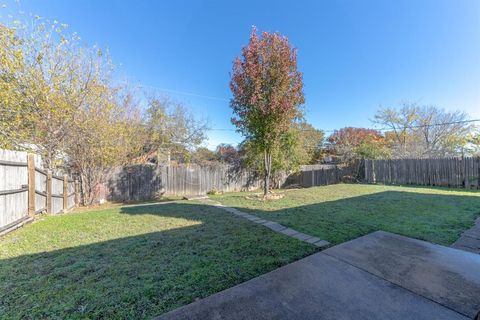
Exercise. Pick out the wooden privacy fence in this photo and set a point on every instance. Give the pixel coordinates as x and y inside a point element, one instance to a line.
<point>142,182</point>
<point>325,174</point>
<point>26,189</point>
<point>447,172</point>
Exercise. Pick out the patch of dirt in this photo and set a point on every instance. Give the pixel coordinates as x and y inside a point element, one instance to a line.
<point>261,197</point>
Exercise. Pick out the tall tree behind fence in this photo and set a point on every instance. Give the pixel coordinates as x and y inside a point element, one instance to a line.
<point>446,172</point>
<point>26,189</point>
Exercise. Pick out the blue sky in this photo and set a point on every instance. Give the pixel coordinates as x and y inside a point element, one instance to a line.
<point>355,55</point>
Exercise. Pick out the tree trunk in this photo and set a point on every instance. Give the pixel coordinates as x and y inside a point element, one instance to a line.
<point>267,161</point>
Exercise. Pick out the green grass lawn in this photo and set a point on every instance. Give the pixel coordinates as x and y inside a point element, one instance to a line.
<point>136,262</point>
<point>338,213</point>
<point>132,262</point>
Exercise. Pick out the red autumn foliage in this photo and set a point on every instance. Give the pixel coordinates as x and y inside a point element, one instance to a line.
<point>266,85</point>
<point>267,91</point>
<point>354,136</point>
<point>353,143</point>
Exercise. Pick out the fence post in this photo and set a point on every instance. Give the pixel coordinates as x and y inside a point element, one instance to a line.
<point>31,184</point>
<point>77,194</point>
<point>478,172</point>
<point>65,193</point>
<point>49,192</point>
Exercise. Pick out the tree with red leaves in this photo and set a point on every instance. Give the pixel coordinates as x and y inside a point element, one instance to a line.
<point>353,143</point>
<point>267,94</point>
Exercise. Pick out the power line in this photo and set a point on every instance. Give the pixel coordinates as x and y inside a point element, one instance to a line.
<point>192,94</point>
<point>432,125</point>
<point>380,129</point>
<point>326,131</point>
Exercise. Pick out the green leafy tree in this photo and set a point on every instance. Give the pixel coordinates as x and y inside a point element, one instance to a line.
<point>358,143</point>
<point>52,78</point>
<point>267,93</point>
<point>205,157</point>
<point>102,136</point>
<point>472,144</point>
<point>170,128</point>
<point>13,126</point>
<point>310,143</point>
<point>424,131</point>
<point>57,100</point>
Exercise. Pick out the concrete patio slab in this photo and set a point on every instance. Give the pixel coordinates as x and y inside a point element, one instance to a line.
<point>472,233</point>
<point>470,239</point>
<point>445,275</point>
<point>468,243</point>
<point>323,286</point>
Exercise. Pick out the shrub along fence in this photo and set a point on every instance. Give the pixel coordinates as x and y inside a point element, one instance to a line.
<point>26,189</point>
<point>446,172</point>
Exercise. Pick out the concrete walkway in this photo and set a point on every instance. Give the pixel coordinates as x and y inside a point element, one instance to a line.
<point>470,239</point>
<point>378,276</point>
<point>277,227</point>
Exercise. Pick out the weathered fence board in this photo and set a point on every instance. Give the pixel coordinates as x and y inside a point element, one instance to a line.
<point>41,190</point>
<point>71,194</point>
<point>446,172</point>
<point>24,191</point>
<point>320,175</point>
<point>142,182</point>
<point>13,181</point>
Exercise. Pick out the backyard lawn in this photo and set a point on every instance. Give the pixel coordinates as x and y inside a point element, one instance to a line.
<point>136,262</point>
<point>132,262</point>
<point>342,212</point>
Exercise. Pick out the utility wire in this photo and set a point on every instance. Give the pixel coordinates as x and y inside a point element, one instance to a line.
<point>326,131</point>
<point>333,130</point>
<point>192,94</point>
<point>381,129</point>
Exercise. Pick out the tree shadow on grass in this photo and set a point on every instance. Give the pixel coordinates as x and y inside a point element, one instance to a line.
<point>144,275</point>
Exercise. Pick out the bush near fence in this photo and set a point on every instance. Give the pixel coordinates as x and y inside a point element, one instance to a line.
<point>26,190</point>
<point>446,172</point>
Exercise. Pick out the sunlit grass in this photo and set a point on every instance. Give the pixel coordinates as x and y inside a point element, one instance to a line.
<point>342,212</point>
<point>132,262</point>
